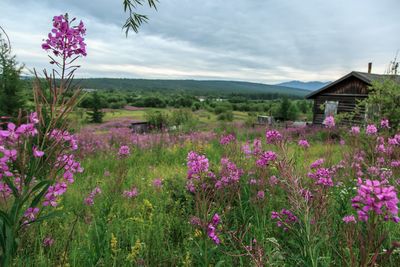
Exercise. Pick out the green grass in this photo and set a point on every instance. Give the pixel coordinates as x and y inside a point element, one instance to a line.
<point>153,228</point>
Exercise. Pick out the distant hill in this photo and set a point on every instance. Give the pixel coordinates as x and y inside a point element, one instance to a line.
<point>311,86</point>
<point>193,86</point>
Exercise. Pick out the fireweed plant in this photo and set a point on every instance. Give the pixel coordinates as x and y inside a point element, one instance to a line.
<point>37,161</point>
<point>365,181</point>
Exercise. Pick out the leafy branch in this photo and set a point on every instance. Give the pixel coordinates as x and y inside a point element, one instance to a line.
<point>135,20</point>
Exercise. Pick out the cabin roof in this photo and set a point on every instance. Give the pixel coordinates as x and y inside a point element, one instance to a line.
<point>368,78</point>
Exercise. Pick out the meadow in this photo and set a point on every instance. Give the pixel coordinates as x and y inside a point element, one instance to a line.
<point>214,189</point>
<point>235,196</point>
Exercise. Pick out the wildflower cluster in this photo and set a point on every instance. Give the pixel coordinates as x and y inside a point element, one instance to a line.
<point>284,218</point>
<point>212,227</point>
<point>230,174</point>
<point>329,122</point>
<point>227,139</point>
<point>266,158</point>
<point>66,40</point>
<point>322,176</point>
<point>131,193</point>
<point>90,199</point>
<point>273,136</point>
<point>303,143</point>
<point>376,197</point>
<point>371,129</point>
<point>124,151</point>
<point>197,169</point>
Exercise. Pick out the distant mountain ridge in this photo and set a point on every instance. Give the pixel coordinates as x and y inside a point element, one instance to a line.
<point>199,87</point>
<point>311,86</point>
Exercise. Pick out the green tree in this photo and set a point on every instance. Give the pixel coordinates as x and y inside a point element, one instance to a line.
<point>284,108</point>
<point>384,101</point>
<point>95,114</point>
<point>11,98</point>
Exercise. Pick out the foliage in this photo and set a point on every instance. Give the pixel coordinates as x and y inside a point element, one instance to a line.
<point>383,96</point>
<point>95,113</point>
<point>37,157</point>
<point>11,98</point>
<point>135,20</point>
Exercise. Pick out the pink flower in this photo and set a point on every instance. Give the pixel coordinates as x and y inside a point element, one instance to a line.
<point>371,129</point>
<point>284,218</point>
<point>266,158</point>
<point>355,130</point>
<point>227,139</point>
<point>230,174</point>
<point>131,193</point>
<point>349,219</point>
<point>90,199</point>
<point>37,153</point>
<point>322,176</point>
<point>260,195</point>
<point>124,151</point>
<point>66,40</point>
<point>30,215</point>
<point>48,241</point>
<point>329,122</point>
<point>303,143</point>
<point>157,183</point>
<point>33,118</point>
<point>317,163</point>
<point>273,136</point>
<point>211,229</point>
<point>376,197</point>
<point>385,123</point>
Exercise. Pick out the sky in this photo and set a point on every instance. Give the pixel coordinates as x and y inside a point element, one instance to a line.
<point>267,41</point>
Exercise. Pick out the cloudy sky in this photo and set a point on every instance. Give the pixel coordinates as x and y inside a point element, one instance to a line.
<point>267,41</point>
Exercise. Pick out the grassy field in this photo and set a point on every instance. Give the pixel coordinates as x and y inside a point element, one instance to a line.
<point>153,228</point>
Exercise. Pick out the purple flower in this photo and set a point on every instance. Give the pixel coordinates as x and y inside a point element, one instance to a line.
<point>303,143</point>
<point>273,136</point>
<point>329,122</point>
<point>284,218</point>
<point>90,199</point>
<point>317,163</point>
<point>37,153</point>
<point>131,193</point>
<point>66,40</point>
<point>266,158</point>
<point>216,219</point>
<point>227,139</point>
<point>230,174</point>
<point>260,195</point>
<point>374,196</point>
<point>355,130</point>
<point>30,215</point>
<point>322,176</point>
<point>157,183</point>
<point>371,129</point>
<point>385,123</point>
<point>211,229</point>
<point>349,219</point>
<point>124,151</point>
<point>48,241</point>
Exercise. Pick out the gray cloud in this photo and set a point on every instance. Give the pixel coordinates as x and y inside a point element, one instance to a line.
<point>264,41</point>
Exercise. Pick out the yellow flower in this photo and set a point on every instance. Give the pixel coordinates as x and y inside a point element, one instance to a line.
<point>134,251</point>
<point>114,244</point>
<point>197,233</point>
<point>187,261</point>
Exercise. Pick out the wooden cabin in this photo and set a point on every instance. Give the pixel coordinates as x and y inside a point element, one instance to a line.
<point>342,96</point>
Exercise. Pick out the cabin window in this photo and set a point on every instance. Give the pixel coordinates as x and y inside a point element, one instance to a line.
<point>372,112</point>
<point>331,108</point>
